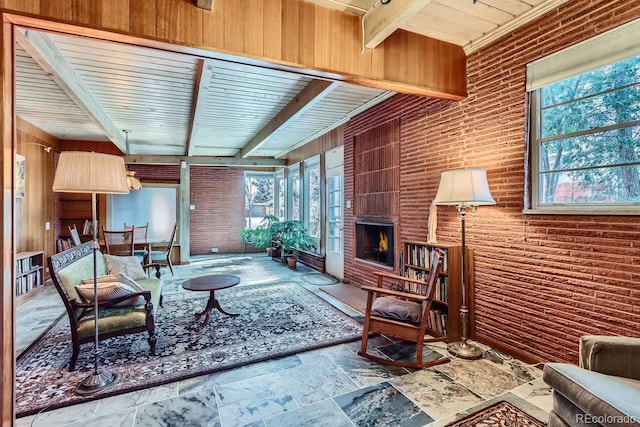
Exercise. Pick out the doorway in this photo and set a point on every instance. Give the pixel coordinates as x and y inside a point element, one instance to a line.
<point>334,160</point>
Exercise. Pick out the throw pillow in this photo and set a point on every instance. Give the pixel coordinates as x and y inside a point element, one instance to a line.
<point>108,291</point>
<point>394,308</point>
<point>129,265</point>
<point>117,277</point>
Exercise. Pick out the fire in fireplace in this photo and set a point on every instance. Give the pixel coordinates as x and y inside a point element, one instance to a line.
<point>374,242</point>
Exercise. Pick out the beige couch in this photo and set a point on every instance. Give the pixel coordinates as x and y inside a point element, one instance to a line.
<point>116,317</point>
<point>603,390</point>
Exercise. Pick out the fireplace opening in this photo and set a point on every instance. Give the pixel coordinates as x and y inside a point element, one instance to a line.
<point>374,242</point>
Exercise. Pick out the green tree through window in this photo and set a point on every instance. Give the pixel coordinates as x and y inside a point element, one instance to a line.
<point>587,133</point>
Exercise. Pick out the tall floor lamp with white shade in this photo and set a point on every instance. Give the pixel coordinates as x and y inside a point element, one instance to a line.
<point>95,173</point>
<point>466,189</point>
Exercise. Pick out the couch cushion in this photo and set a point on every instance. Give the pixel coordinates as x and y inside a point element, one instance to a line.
<point>594,393</point>
<point>129,265</point>
<point>116,319</point>
<point>74,273</point>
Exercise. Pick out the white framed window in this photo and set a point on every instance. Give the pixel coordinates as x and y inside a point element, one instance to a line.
<point>259,197</point>
<point>312,207</point>
<point>280,191</point>
<point>293,193</point>
<point>585,127</point>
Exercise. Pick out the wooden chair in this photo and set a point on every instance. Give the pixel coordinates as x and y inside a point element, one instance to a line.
<point>75,236</point>
<point>139,234</point>
<point>118,242</point>
<point>163,257</point>
<point>402,314</point>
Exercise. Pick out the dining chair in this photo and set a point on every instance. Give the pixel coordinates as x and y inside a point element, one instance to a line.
<point>118,242</point>
<point>140,235</point>
<point>163,257</point>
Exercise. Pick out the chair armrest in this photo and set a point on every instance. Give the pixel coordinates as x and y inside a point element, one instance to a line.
<point>384,274</point>
<point>155,265</point>
<point>391,292</point>
<point>611,355</point>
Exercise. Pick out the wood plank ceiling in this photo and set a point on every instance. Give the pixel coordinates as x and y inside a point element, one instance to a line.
<point>161,106</point>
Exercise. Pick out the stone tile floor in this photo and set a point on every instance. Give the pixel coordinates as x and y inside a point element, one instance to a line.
<point>331,386</point>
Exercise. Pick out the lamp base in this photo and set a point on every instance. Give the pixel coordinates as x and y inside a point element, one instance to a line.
<point>464,350</point>
<point>97,382</point>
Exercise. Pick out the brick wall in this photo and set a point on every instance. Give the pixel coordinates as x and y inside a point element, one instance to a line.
<point>540,281</point>
<point>218,194</point>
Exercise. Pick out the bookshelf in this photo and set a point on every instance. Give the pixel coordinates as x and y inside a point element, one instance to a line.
<point>76,209</point>
<point>444,317</point>
<point>29,275</point>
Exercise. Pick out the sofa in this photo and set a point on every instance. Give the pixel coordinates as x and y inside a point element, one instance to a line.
<point>128,296</point>
<point>603,390</point>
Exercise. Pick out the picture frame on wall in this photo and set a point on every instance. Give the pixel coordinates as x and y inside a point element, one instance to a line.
<point>21,169</point>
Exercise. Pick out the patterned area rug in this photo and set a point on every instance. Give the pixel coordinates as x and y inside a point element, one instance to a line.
<point>501,414</point>
<point>275,320</point>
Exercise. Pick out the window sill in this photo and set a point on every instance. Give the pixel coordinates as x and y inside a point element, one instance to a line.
<point>583,211</point>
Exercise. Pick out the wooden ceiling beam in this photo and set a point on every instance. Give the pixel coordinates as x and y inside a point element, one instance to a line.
<point>43,50</point>
<point>206,161</point>
<point>203,78</point>
<point>383,19</point>
<point>311,94</point>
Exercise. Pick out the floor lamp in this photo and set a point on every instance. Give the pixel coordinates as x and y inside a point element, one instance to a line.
<point>95,173</point>
<point>466,189</point>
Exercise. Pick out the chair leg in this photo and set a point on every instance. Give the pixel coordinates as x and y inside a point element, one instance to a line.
<point>170,265</point>
<point>74,357</point>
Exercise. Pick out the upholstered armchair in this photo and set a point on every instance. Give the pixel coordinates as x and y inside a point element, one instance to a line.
<point>603,390</point>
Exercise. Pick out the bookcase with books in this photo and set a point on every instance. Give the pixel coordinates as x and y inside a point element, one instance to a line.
<point>29,275</point>
<point>444,317</point>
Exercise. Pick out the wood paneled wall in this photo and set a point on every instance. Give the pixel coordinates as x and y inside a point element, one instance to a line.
<point>541,281</point>
<point>290,33</point>
<point>36,207</point>
<point>322,144</point>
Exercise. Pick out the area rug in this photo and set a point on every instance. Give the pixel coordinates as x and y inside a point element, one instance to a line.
<point>501,414</point>
<point>275,320</point>
<point>319,279</point>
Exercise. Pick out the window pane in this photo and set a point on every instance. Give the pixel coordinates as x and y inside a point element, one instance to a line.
<point>153,205</point>
<point>294,179</point>
<point>618,184</point>
<point>613,147</point>
<point>258,198</point>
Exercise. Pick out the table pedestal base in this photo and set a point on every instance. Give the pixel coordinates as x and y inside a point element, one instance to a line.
<point>211,304</point>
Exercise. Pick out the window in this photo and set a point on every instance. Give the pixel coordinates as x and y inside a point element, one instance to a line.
<point>258,197</point>
<point>585,133</point>
<point>312,196</point>
<point>153,204</point>
<point>294,192</point>
<point>280,194</point>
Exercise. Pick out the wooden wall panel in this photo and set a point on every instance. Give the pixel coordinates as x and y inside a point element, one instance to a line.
<point>319,145</point>
<point>282,33</point>
<point>142,17</point>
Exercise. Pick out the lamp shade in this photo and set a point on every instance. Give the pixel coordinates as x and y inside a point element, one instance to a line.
<point>90,172</point>
<point>464,187</point>
<point>133,182</point>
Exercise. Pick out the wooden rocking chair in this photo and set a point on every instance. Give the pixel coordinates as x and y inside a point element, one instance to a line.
<point>402,314</point>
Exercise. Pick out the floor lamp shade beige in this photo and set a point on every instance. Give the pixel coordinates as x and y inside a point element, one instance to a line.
<point>95,173</point>
<point>466,189</point>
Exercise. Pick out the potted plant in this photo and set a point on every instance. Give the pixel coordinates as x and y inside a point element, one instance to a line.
<point>294,236</point>
<point>261,235</point>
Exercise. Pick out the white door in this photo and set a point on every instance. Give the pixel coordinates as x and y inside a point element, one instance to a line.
<point>334,161</point>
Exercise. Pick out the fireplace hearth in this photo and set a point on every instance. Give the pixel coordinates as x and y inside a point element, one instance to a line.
<point>375,243</point>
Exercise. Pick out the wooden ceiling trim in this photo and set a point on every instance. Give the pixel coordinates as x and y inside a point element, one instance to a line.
<point>383,19</point>
<point>205,161</point>
<point>45,53</point>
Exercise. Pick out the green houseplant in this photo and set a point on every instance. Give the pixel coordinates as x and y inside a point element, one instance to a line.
<point>292,235</point>
<point>261,236</point>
